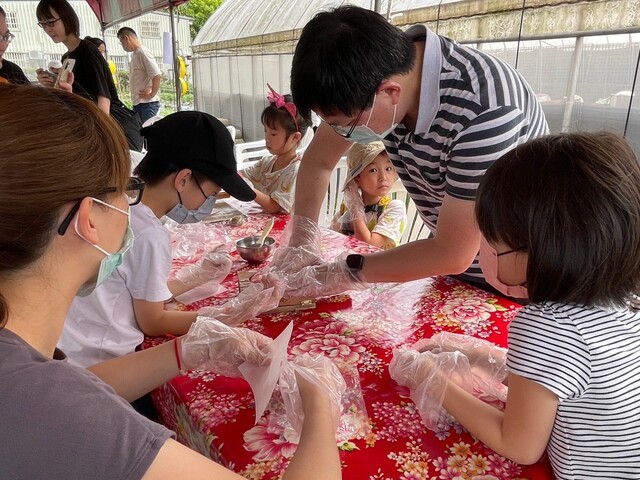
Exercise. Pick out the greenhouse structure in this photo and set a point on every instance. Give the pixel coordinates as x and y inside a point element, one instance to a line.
<point>580,57</point>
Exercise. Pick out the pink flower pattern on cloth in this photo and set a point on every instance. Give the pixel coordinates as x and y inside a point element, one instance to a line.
<point>215,415</point>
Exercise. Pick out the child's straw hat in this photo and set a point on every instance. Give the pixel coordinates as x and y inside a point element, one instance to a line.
<point>359,157</point>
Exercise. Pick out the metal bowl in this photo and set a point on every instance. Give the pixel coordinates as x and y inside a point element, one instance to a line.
<point>249,249</point>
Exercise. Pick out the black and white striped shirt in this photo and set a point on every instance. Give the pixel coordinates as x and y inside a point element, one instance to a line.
<point>589,358</point>
<point>476,110</point>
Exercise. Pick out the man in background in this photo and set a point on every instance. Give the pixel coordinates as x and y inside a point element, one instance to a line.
<point>144,75</point>
<point>9,71</point>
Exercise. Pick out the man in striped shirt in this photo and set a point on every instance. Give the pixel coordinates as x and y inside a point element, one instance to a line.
<point>444,111</point>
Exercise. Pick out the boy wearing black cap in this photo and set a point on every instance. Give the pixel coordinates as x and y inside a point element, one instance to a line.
<point>190,159</point>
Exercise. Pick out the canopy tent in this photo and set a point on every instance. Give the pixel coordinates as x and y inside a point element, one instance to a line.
<point>112,12</point>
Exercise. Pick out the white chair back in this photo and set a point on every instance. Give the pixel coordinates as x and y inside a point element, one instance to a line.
<point>305,141</point>
<point>333,198</point>
<point>151,121</point>
<point>250,152</point>
<point>232,132</point>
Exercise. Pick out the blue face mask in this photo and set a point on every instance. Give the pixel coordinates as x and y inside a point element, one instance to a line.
<point>182,215</point>
<point>363,134</point>
<point>111,261</point>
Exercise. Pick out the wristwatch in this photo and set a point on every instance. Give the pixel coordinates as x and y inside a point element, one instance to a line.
<point>355,262</point>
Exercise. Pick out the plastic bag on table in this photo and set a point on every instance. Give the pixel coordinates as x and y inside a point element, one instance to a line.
<point>318,370</point>
<point>487,361</point>
<point>257,298</point>
<point>193,239</point>
<point>425,375</point>
<point>212,345</point>
<point>211,269</point>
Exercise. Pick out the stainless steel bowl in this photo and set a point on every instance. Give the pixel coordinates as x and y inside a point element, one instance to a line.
<point>249,249</point>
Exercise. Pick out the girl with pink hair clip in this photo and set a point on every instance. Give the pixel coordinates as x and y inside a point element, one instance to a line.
<point>274,176</point>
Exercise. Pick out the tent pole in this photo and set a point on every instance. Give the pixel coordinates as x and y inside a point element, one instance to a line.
<point>176,64</point>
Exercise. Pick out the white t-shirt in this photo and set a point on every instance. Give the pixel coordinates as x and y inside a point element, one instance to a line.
<point>103,325</point>
<point>142,69</point>
<point>590,358</point>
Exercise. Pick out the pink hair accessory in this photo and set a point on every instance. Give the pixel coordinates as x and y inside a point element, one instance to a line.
<point>278,100</point>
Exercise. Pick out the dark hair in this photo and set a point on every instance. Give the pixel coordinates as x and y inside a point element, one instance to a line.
<point>3,13</point>
<point>78,152</point>
<point>272,116</point>
<point>95,40</point>
<point>127,31</point>
<point>152,170</point>
<point>342,57</point>
<point>67,14</point>
<point>572,201</point>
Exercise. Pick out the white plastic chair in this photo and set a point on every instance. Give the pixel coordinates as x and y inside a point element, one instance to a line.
<point>333,198</point>
<point>136,158</point>
<point>249,152</point>
<point>305,141</point>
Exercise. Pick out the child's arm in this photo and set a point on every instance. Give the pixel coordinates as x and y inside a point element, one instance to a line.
<point>154,320</point>
<point>521,432</point>
<point>267,203</point>
<point>361,232</point>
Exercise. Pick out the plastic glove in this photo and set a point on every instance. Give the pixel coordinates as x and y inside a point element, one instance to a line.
<point>323,280</point>
<point>308,376</point>
<point>300,245</point>
<point>426,375</point>
<point>250,302</point>
<point>481,354</point>
<point>213,266</point>
<point>212,345</point>
<point>353,202</point>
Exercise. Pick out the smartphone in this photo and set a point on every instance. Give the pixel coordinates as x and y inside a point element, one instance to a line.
<point>67,67</point>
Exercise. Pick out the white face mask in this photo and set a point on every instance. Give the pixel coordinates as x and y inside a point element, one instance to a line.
<point>183,215</point>
<point>489,265</point>
<point>111,261</point>
<point>363,134</point>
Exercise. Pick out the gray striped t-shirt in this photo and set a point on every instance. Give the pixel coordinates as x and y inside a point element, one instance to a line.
<point>476,110</point>
<point>589,358</point>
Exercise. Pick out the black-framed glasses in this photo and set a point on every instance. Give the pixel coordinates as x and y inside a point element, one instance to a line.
<point>134,190</point>
<point>48,23</point>
<point>8,37</point>
<point>342,131</point>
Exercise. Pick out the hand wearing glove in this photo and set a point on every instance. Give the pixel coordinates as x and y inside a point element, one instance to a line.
<point>212,345</point>
<point>213,266</point>
<point>250,302</point>
<point>353,202</point>
<point>323,280</point>
<point>307,380</point>
<point>427,375</point>
<point>482,354</point>
<point>300,245</point>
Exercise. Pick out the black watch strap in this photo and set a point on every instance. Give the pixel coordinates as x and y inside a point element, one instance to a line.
<point>355,262</point>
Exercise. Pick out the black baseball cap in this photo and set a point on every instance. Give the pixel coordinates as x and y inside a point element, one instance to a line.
<point>200,142</point>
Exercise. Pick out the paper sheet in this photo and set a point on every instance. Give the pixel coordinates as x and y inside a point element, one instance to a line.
<point>263,379</point>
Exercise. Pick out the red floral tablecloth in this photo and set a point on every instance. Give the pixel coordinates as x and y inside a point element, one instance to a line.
<point>358,330</point>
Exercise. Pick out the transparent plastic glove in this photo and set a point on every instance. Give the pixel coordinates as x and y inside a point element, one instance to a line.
<point>426,375</point>
<point>212,345</point>
<point>213,266</point>
<point>481,354</point>
<point>300,245</point>
<point>257,298</point>
<point>318,376</point>
<point>323,280</point>
<point>353,202</point>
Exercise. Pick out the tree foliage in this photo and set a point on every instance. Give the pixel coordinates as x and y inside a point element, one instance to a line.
<point>200,10</point>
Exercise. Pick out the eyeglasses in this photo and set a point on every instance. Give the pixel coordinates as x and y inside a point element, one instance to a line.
<point>133,193</point>
<point>48,23</point>
<point>342,131</point>
<point>7,37</point>
<point>202,191</point>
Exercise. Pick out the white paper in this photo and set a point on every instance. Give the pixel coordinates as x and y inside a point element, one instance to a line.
<point>263,379</point>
